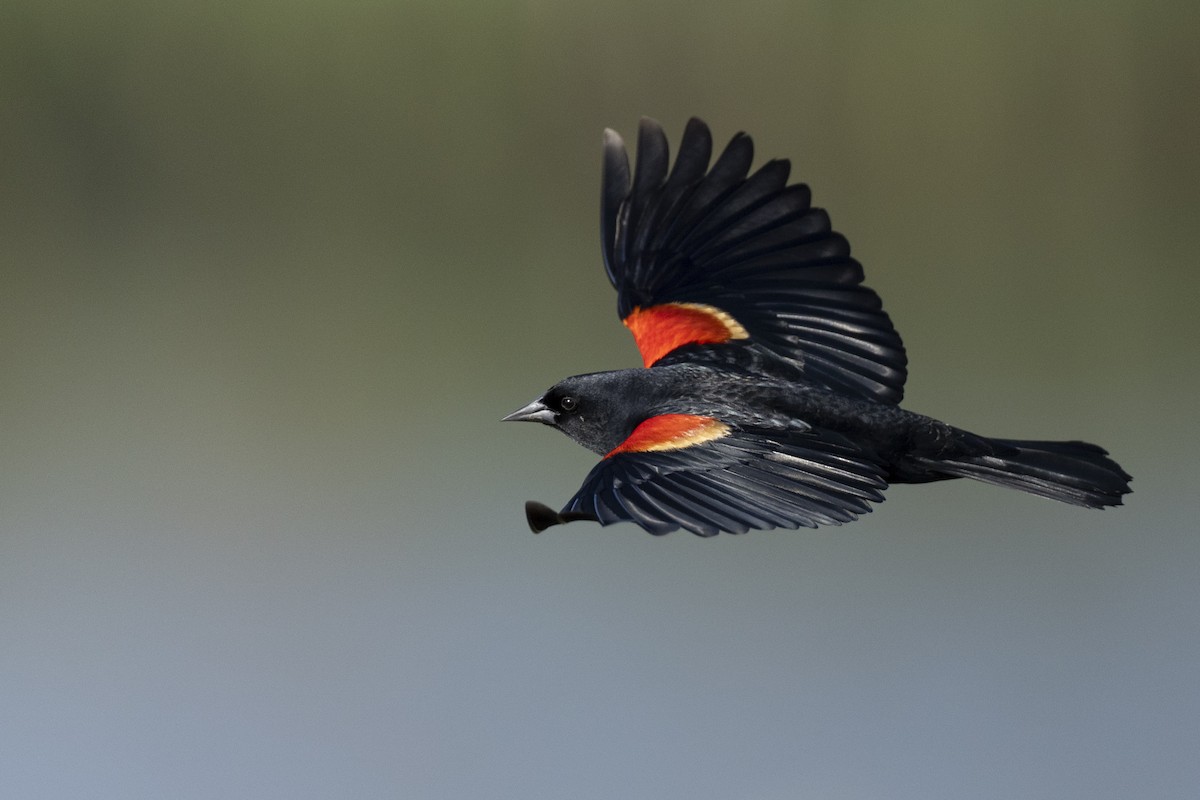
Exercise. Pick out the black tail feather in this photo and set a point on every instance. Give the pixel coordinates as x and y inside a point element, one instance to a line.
<point>1078,473</point>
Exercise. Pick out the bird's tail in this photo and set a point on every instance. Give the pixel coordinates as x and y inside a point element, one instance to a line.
<point>1074,472</point>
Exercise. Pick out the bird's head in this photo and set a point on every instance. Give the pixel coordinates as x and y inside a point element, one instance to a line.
<point>597,410</point>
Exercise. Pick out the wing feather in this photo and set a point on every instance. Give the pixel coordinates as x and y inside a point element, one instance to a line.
<point>747,479</point>
<point>748,245</point>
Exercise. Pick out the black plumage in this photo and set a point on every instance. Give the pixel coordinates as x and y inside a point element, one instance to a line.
<point>774,375</point>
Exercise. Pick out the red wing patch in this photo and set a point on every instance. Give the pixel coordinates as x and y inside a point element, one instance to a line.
<point>660,329</point>
<point>671,432</point>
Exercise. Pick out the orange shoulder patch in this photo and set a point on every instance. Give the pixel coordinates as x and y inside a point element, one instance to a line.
<point>671,432</point>
<point>660,329</point>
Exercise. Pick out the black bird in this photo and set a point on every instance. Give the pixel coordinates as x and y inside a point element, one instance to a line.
<point>770,398</point>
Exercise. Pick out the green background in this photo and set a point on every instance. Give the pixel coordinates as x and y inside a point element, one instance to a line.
<point>272,272</point>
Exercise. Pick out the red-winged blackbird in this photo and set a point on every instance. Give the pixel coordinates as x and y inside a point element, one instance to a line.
<point>774,376</point>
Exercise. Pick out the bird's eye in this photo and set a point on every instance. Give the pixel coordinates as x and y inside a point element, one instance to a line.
<point>568,403</point>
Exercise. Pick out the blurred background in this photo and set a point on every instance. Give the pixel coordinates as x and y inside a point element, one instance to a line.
<point>272,272</point>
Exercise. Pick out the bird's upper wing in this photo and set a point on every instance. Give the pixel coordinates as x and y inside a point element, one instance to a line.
<point>723,261</point>
<point>698,473</point>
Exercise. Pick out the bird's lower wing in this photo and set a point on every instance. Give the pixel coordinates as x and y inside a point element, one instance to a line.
<point>734,482</point>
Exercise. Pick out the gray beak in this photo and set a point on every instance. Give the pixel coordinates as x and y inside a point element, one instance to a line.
<point>534,412</point>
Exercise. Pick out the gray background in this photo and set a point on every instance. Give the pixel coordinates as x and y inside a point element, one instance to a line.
<point>271,273</point>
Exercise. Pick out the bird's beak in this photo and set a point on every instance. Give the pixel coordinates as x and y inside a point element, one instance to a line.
<point>534,412</point>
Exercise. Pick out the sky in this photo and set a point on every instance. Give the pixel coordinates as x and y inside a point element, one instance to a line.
<point>272,273</point>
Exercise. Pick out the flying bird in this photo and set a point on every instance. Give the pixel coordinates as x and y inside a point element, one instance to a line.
<point>769,396</point>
